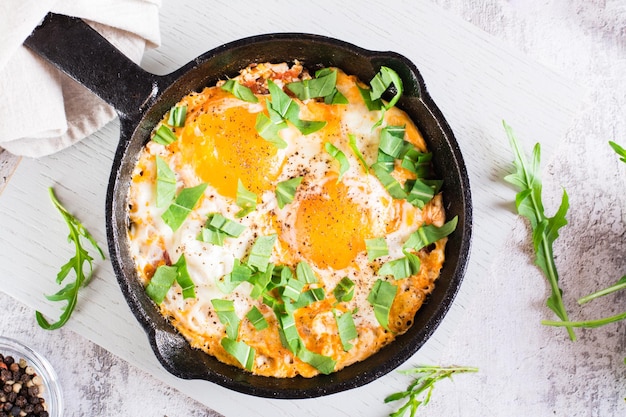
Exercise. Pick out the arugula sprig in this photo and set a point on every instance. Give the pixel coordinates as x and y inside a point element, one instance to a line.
<point>69,293</point>
<point>421,389</point>
<point>619,285</point>
<point>545,229</point>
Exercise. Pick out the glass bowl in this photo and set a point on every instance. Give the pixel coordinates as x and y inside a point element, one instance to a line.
<point>52,391</point>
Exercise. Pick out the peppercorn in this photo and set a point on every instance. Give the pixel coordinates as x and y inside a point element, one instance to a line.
<point>20,389</point>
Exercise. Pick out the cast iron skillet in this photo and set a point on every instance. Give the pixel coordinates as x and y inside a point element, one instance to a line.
<point>142,98</point>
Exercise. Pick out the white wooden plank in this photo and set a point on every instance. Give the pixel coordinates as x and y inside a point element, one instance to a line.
<point>474,79</point>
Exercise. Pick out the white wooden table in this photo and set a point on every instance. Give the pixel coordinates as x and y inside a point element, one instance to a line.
<point>477,78</point>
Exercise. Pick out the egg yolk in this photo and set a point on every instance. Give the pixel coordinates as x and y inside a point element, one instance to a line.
<point>330,227</point>
<point>224,146</point>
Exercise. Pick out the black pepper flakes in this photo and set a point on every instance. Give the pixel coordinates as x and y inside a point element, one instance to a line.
<point>20,389</point>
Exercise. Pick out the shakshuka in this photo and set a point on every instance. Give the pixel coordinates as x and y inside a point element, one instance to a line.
<point>288,222</point>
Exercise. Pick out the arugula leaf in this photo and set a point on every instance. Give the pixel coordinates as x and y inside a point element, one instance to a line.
<point>240,351</point>
<point>420,390</point>
<point>420,192</point>
<point>280,109</point>
<point>286,191</point>
<point>161,282</point>
<point>246,200</point>
<point>322,86</point>
<point>427,234</point>
<point>392,141</point>
<point>164,278</point>
<point>619,285</point>
<point>164,136</point>
<point>344,164</point>
<point>376,248</point>
<point>381,298</point>
<point>257,319</point>
<point>177,116</point>
<point>178,211</point>
<point>619,150</point>
<point>240,91</point>
<point>344,291</point>
<point>324,364</point>
<point>165,183</point>
<point>305,274</point>
<point>183,278</point>
<point>261,251</point>
<point>385,78</point>
<point>218,227</point>
<point>293,289</point>
<point>77,263</point>
<point>268,129</point>
<point>403,267</point>
<point>393,187</point>
<point>545,229</point>
<point>417,162</point>
<point>225,310</point>
<point>347,329</point>
<point>357,152</point>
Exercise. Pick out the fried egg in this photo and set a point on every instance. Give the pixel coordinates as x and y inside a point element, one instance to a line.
<point>332,214</point>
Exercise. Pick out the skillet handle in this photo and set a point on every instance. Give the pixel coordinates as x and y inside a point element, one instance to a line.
<point>76,49</point>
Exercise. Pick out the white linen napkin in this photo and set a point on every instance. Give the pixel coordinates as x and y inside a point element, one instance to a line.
<point>43,111</point>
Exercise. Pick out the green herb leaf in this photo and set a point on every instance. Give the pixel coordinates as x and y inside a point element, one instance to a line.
<point>240,91</point>
<point>177,116</point>
<point>257,319</point>
<point>420,390</point>
<point>545,230</point>
<point>392,141</point>
<point>428,234</point>
<point>225,310</point>
<point>309,297</point>
<point>260,281</point>
<point>353,145</point>
<point>324,364</point>
<point>372,105</point>
<point>178,211</point>
<point>305,274</point>
<point>246,200</point>
<point>293,289</point>
<point>420,192</point>
<point>183,278</point>
<point>417,162</point>
<point>589,324</point>
<point>619,285</point>
<point>344,291</point>
<point>269,129</point>
<point>321,86</point>
<point>165,183</point>
<point>161,282</point>
<point>344,164</point>
<point>385,78</point>
<point>347,329</point>
<point>401,268</point>
<point>261,251</point>
<point>240,351</point>
<point>218,227</point>
<point>393,187</point>
<point>289,332</point>
<point>286,191</point>
<point>376,248</point>
<point>619,150</point>
<point>164,136</point>
<point>381,298</point>
<point>69,293</point>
